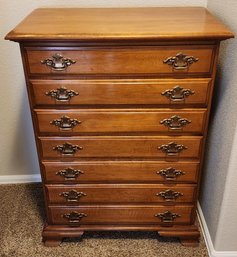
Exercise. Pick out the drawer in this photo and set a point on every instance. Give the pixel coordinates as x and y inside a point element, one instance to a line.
<point>144,214</point>
<point>120,172</point>
<point>121,146</point>
<point>121,92</point>
<point>167,60</point>
<point>121,120</point>
<point>123,193</point>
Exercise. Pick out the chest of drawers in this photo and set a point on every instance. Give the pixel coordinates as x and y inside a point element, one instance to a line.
<point>120,101</point>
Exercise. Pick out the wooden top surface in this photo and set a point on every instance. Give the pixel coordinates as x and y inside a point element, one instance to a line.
<point>157,23</point>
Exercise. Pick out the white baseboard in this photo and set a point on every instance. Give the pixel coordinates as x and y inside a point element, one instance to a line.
<point>212,252</point>
<point>15,179</point>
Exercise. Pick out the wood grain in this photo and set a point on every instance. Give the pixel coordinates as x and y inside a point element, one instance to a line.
<point>143,214</point>
<point>162,23</point>
<point>118,60</point>
<point>118,194</point>
<point>121,92</point>
<point>120,171</point>
<point>119,146</point>
<point>117,120</point>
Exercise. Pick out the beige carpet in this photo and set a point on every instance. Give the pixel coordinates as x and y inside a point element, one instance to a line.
<point>22,218</point>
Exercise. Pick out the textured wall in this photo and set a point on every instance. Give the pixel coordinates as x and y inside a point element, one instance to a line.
<point>219,176</point>
<point>17,148</point>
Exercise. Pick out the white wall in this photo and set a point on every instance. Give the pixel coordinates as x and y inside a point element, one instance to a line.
<point>218,194</point>
<point>17,147</point>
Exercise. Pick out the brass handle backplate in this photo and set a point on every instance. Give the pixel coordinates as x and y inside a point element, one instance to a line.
<point>175,122</point>
<point>172,149</point>
<point>177,94</point>
<point>69,173</point>
<point>65,123</point>
<point>62,94</point>
<point>167,217</point>
<point>180,61</point>
<point>74,217</point>
<point>169,195</point>
<point>58,62</point>
<point>72,195</point>
<point>170,173</point>
<point>67,148</point>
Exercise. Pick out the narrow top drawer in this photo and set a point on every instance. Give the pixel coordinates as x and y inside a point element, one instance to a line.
<point>163,60</point>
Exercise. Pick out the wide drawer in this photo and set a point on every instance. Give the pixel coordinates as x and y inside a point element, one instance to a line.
<point>123,193</point>
<point>121,60</point>
<point>112,92</point>
<point>120,172</point>
<point>143,214</point>
<point>117,120</point>
<point>121,146</point>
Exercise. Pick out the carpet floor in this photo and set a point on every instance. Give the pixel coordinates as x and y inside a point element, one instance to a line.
<point>22,218</point>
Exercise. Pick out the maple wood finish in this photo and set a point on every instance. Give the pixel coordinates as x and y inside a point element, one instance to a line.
<point>121,60</point>
<point>120,171</point>
<point>163,23</point>
<point>120,193</point>
<point>121,146</point>
<point>121,92</point>
<point>116,215</point>
<point>120,101</point>
<point>117,120</point>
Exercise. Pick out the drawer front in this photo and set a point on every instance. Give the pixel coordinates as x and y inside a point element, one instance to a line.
<point>159,215</point>
<point>125,120</point>
<point>124,193</point>
<point>120,172</point>
<point>119,146</point>
<point>129,60</point>
<point>109,92</point>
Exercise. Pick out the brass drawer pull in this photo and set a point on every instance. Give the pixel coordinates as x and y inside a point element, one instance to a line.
<point>58,62</point>
<point>180,61</point>
<point>167,217</point>
<point>67,148</point>
<point>170,173</point>
<point>177,94</point>
<point>74,217</point>
<point>72,195</point>
<point>69,173</point>
<point>169,195</point>
<point>62,94</point>
<point>65,123</point>
<point>172,149</point>
<point>175,122</point>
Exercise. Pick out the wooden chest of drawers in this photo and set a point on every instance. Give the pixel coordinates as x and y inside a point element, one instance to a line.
<point>120,101</point>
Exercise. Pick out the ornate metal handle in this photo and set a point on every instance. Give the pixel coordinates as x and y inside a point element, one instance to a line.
<point>169,195</point>
<point>58,62</point>
<point>65,123</point>
<point>170,173</point>
<point>167,217</point>
<point>62,94</point>
<point>69,173</point>
<point>180,61</point>
<point>72,195</point>
<point>175,122</point>
<point>177,94</point>
<point>74,217</point>
<point>67,148</point>
<point>172,149</point>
